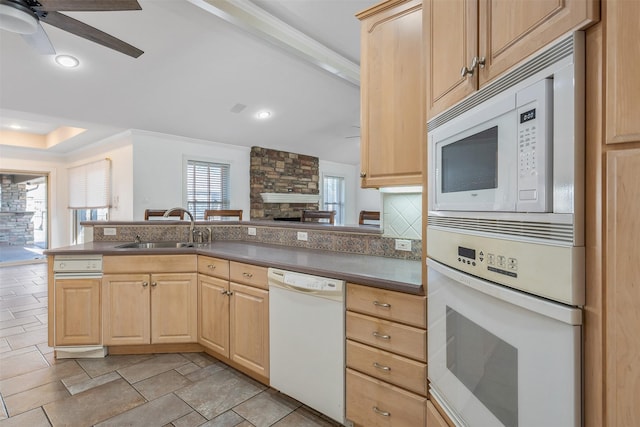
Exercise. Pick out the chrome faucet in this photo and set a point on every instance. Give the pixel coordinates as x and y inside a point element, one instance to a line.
<point>193,223</point>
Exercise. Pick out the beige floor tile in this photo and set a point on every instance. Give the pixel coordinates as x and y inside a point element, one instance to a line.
<point>192,419</point>
<point>20,363</point>
<point>28,338</point>
<point>101,366</point>
<point>84,382</point>
<point>17,302</point>
<point>33,418</point>
<point>35,397</point>
<point>188,368</point>
<point>219,392</point>
<point>155,413</point>
<point>161,384</point>
<point>154,366</point>
<point>39,377</point>
<point>94,405</point>
<point>17,322</point>
<point>303,417</point>
<point>205,372</point>
<point>200,359</point>
<point>6,315</point>
<point>228,419</point>
<point>266,408</point>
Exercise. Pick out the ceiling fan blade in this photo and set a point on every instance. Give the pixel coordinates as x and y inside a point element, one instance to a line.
<point>40,41</point>
<point>86,5</point>
<point>88,32</point>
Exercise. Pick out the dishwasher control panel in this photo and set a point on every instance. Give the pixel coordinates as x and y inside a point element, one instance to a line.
<point>77,264</point>
<point>319,286</point>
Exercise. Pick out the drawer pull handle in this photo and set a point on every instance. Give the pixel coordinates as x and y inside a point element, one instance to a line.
<point>381,367</point>
<point>248,275</point>
<point>382,337</point>
<point>379,412</point>
<point>382,304</point>
<point>211,266</point>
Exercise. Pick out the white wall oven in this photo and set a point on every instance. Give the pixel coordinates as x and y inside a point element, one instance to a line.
<point>505,247</point>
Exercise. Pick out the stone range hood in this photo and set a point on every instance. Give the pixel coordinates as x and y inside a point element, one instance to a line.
<point>289,198</point>
<point>282,183</point>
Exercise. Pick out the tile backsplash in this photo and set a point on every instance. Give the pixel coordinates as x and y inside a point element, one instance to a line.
<point>402,215</point>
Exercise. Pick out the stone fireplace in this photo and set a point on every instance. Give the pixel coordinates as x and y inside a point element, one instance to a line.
<point>279,175</point>
<point>16,227</point>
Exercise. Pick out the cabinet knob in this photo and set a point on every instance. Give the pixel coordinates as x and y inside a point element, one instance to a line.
<point>145,284</point>
<point>211,267</point>
<point>229,293</point>
<point>363,174</point>
<point>223,292</point>
<point>154,283</point>
<point>247,275</point>
<point>476,62</point>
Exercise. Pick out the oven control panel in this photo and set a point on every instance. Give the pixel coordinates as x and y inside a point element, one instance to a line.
<point>549,271</point>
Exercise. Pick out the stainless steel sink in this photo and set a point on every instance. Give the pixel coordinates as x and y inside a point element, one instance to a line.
<point>156,245</point>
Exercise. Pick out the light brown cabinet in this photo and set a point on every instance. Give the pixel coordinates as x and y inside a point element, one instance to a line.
<point>391,87</point>
<point>234,315</point>
<point>77,312</point>
<point>386,357</point>
<point>150,308</point>
<point>149,299</point>
<point>612,317</point>
<point>488,38</point>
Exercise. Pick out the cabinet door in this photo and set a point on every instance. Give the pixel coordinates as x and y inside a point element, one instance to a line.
<point>125,309</point>
<point>174,308</point>
<point>392,103</point>
<point>511,31</point>
<point>249,328</point>
<point>213,314</point>
<point>622,319</point>
<point>77,309</point>
<point>622,59</point>
<point>451,42</point>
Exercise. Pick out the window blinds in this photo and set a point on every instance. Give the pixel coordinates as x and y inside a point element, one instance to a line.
<point>207,187</point>
<point>90,185</point>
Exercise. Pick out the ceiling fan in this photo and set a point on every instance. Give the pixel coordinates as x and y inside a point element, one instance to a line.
<point>24,17</point>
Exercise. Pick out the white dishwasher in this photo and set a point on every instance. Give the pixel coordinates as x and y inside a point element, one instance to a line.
<point>306,340</point>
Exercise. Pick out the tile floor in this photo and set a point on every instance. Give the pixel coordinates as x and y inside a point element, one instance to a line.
<point>189,389</point>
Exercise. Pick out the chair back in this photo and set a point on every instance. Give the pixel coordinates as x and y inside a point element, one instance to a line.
<point>318,216</point>
<point>369,216</point>
<point>222,214</point>
<point>154,213</point>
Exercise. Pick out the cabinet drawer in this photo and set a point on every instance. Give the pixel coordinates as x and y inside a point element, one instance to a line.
<point>149,264</point>
<point>371,402</point>
<point>391,305</point>
<point>395,337</point>
<point>248,274</point>
<point>215,267</point>
<point>389,367</point>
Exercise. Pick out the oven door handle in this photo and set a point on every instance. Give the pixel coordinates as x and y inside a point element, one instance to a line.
<point>554,310</point>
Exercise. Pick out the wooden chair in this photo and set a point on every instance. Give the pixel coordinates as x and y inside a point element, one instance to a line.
<point>151,213</point>
<point>369,216</point>
<point>318,216</point>
<point>222,214</point>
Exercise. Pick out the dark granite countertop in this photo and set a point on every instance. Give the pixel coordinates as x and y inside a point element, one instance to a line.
<point>380,272</point>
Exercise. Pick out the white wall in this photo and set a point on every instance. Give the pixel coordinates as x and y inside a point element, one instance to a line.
<point>158,160</point>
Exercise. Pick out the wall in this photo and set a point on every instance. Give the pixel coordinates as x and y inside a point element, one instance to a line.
<point>158,162</point>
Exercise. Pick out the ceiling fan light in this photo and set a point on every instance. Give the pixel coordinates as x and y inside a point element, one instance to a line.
<point>15,19</point>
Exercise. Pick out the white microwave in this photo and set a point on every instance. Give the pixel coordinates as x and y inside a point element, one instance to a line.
<point>498,157</point>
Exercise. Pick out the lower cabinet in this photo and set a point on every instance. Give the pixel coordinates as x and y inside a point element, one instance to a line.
<point>77,312</point>
<point>434,418</point>
<point>150,308</point>
<point>386,347</point>
<point>233,312</point>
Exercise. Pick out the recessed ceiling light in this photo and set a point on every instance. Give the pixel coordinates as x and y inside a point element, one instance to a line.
<point>15,126</point>
<point>263,115</point>
<point>67,61</point>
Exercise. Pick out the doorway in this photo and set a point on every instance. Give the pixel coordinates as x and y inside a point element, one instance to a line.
<point>24,217</point>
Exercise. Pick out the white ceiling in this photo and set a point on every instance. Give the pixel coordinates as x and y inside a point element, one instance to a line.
<point>195,68</point>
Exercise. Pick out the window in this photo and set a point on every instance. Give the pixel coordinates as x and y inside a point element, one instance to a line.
<point>333,196</point>
<point>89,195</point>
<point>207,187</point>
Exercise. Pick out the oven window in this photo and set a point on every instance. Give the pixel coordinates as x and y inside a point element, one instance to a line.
<point>471,163</point>
<point>485,364</point>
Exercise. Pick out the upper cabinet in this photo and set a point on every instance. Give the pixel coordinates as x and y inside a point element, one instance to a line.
<point>471,42</point>
<point>392,88</point>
